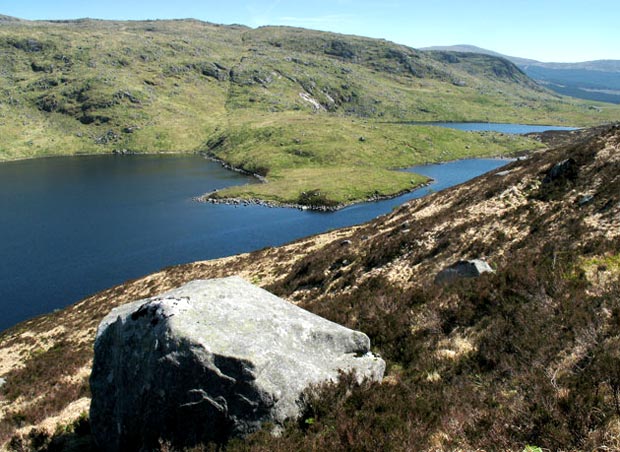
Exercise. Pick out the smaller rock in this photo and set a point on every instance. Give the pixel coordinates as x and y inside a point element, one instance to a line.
<point>362,139</point>
<point>565,169</point>
<point>106,138</point>
<point>463,269</point>
<point>503,173</point>
<point>585,200</point>
<point>608,205</point>
<point>123,152</point>
<point>2,382</point>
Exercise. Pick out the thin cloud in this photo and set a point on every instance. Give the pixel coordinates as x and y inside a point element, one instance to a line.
<point>273,6</point>
<point>370,3</point>
<point>262,15</point>
<point>328,18</point>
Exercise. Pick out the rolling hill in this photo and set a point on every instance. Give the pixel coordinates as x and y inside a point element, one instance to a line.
<point>297,106</point>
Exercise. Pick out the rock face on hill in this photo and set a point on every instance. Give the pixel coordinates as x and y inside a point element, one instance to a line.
<point>210,360</point>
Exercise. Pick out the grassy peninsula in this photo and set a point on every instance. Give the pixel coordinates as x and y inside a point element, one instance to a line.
<point>313,112</point>
<point>342,159</point>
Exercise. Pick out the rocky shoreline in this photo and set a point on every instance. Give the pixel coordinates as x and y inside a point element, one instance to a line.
<point>206,198</point>
<point>212,199</point>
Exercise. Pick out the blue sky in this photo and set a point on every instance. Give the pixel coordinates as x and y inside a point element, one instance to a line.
<point>543,30</point>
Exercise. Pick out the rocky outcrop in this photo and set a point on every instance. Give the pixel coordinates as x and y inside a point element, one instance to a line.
<point>211,360</point>
<point>463,269</point>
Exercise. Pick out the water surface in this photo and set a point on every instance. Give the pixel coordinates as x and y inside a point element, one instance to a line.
<point>72,226</point>
<point>517,129</point>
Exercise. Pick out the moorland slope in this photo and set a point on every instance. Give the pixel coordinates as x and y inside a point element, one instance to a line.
<point>526,355</point>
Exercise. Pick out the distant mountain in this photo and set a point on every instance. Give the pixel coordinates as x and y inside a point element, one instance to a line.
<point>596,65</point>
<point>474,49</point>
<point>592,80</point>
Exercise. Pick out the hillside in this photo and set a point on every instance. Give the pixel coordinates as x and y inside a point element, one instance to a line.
<point>527,355</point>
<point>597,80</point>
<point>475,49</point>
<point>297,106</point>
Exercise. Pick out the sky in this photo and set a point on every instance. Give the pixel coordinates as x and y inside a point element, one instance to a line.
<point>558,31</point>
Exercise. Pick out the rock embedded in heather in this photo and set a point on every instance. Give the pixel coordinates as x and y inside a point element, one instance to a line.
<point>565,169</point>
<point>211,360</point>
<point>463,269</point>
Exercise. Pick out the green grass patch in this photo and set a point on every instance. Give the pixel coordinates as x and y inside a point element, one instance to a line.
<point>609,263</point>
<point>328,186</point>
<point>345,159</point>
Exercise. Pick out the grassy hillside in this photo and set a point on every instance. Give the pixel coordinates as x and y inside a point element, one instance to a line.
<point>301,104</point>
<point>525,356</point>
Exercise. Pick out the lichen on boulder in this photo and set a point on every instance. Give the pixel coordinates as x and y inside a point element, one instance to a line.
<point>211,360</point>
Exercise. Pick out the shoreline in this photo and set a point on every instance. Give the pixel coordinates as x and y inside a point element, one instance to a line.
<point>115,152</point>
<point>212,157</point>
<point>208,199</point>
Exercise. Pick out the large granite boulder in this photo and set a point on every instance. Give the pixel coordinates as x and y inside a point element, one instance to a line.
<point>211,360</point>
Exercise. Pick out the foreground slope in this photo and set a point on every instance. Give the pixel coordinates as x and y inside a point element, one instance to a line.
<point>528,355</point>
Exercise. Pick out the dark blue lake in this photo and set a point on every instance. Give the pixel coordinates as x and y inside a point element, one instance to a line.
<point>517,129</point>
<point>72,226</point>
